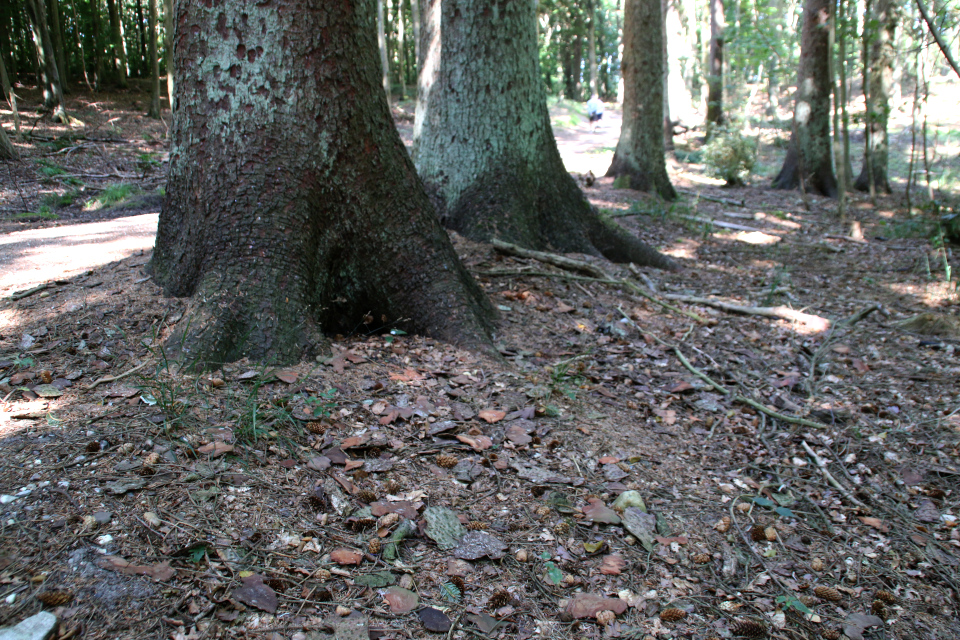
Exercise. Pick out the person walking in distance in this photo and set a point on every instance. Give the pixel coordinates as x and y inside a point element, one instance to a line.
<point>594,111</point>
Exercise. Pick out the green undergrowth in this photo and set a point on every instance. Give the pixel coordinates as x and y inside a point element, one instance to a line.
<point>111,196</point>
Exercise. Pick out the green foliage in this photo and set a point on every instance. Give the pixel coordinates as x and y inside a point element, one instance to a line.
<point>49,169</point>
<point>322,404</point>
<point>44,213</point>
<point>729,155</point>
<point>113,194</point>
<point>621,182</point>
<point>59,200</point>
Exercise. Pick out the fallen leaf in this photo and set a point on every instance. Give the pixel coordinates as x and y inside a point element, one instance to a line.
<point>345,556</point>
<point>876,523</point>
<point>518,435</point>
<point>256,594</point>
<point>477,443</point>
<point>596,511</point>
<point>286,375</point>
<point>216,448</point>
<point>609,460</point>
<point>492,415</point>
<point>443,527</point>
<point>160,572</point>
<point>586,605</point>
<point>477,544</point>
<point>640,524</point>
<point>612,565</point>
<point>401,600</point>
<point>434,620</point>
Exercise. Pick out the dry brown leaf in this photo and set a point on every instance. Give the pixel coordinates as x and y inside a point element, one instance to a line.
<point>612,565</point>
<point>216,449</point>
<point>345,556</point>
<point>286,375</point>
<point>492,415</point>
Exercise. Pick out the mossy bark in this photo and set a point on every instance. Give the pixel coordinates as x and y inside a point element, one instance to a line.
<point>483,144</point>
<point>292,207</point>
<point>808,163</point>
<point>640,151</point>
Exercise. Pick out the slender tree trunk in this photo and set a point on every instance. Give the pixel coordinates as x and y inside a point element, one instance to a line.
<point>868,102</point>
<point>11,98</point>
<point>715,67</point>
<point>7,38</point>
<point>7,150</point>
<point>844,115</point>
<point>292,206</point>
<point>118,48</point>
<point>482,138</point>
<point>142,37</point>
<point>808,164</point>
<point>382,43</point>
<point>79,38</point>
<point>880,82</point>
<point>168,41</point>
<point>415,14</point>
<point>56,34</point>
<point>154,111</point>
<point>49,76</point>
<point>592,46</point>
<point>98,42</point>
<point>640,151</point>
<point>401,51</point>
<point>665,81</point>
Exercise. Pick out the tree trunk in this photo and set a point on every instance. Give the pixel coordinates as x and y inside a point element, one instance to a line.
<point>79,40</point>
<point>292,206</point>
<point>382,43</point>
<point>98,41</point>
<point>882,55</point>
<point>640,151</point>
<point>715,67</point>
<point>665,50</point>
<point>49,76</point>
<point>118,49</point>
<point>482,138</point>
<point>154,111</point>
<point>592,47</point>
<point>7,150</point>
<point>401,67</point>
<point>11,98</point>
<point>808,163</point>
<point>144,59</point>
<point>168,48</point>
<point>56,34</point>
<point>415,14</point>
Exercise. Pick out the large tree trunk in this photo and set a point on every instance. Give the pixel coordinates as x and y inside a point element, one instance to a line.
<point>640,151</point>
<point>292,206</point>
<point>882,55</point>
<point>49,76</point>
<point>715,66</point>
<point>118,47</point>
<point>154,111</point>
<point>482,138</point>
<point>56,34</point>
<point>808,163</point>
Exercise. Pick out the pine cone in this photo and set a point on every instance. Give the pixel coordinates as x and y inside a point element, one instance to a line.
<point>359,524</point>
<point>702,558</point>
<point>392,486</point>
<point>387,520</point>
<point>748,628</point>
<point>458,582</point>
<point>55,598</point>
<point>758,533</point>
<point>543,511</point>
<point>605,617</point>
<point>885,597</point>
<point>366,496</point>
<point>447,461</point>
<point>827,593</point>
<point>317,427</point>
<point>562,528</point>
<point>830,634</point>
<point>476,525</point>
<point>878,609</point>
<point>374,546</point>
<point>360,474</point>
<point>500,598</point>
<point>151,460</point>
<point>672,614</point>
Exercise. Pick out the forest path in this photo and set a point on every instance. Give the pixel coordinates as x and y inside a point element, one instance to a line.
<point>32,257</point>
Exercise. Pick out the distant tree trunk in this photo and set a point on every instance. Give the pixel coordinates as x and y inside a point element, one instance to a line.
<point>415,14</point>
<point>882,54</point>
<point>7,27</point>
<point>401,70</point>
<point>640,151</point>
<point>592,47</point>
<point>144,60</point>
<point>119,50</point>
<point>49,76</point>
<point>382,43</point>
<point>482,138</point>
<point>98,42</point>
<point>53,7</point>
<point>808,163</point>
<point>154,111</point>
<point>292,206</point>
<point>667,118</point>
<point>168,47</point>
<point>76,32</point>
<point>715,70</point>
<point>7,150</point>
<point>10,97</point>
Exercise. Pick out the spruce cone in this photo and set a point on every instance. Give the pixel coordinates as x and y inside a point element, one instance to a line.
<point>758,533</point>
<point>672,614</point>
<point>830,634</point>
<point>447,461</point>
<point>374,546</point>
<point>562,528</point>
<point>476,525</point>
<point>500,598</point>
<point>55,598</point>
<point>878,609</point>
<point>387,520</point>
<point>748,628</point>
<point>458,582</point>
<point>151,460</point>
<point>543,511</point>
<point>885,597</point>
<point>317,427</point>
<point>827,593</point>
<point>366,496</point>
<point>702,558</point>
<point>392,486</point>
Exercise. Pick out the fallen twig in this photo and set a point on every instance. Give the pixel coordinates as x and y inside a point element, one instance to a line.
<point>105,379</point>
<point>550,258</point>
<point>817,323</point>
<point>20,295</point>
<point>726,225</point>
<point>702,196</point>
<point>829,477</point>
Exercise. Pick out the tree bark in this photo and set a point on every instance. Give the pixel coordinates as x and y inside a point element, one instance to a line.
<point>382,43</point>
<point>11,99</point>
<point>144,59</point>
<point>592,47</point>
<point>98,41</point>
<point>49,76</point>
<point>482,138</point>
<point>882,55</point>
<point>56,34</point>
<point>415,14</point>
<point>715,70</point>
<point>119,56</point>
<point>168,48</point>
<point>7,150</point>
<point>808,163</point>
<point>292,206</point>
<point>154,111</point>
<point>401,67</point>
<point>640,151</point>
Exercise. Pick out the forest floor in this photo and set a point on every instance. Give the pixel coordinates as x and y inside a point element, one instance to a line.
<point>624,470</point>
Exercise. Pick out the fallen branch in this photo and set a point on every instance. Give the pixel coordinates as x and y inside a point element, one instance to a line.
<point>829,477</point>
<point>726,225</point>
<point>702,196</point>
<point>105,379</point>
<point>621,283</point>
<point>20,295</point>
<point>550,258</point>
<point>817,323</point>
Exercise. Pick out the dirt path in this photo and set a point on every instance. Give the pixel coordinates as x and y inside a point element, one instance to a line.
<point>29,258</point>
